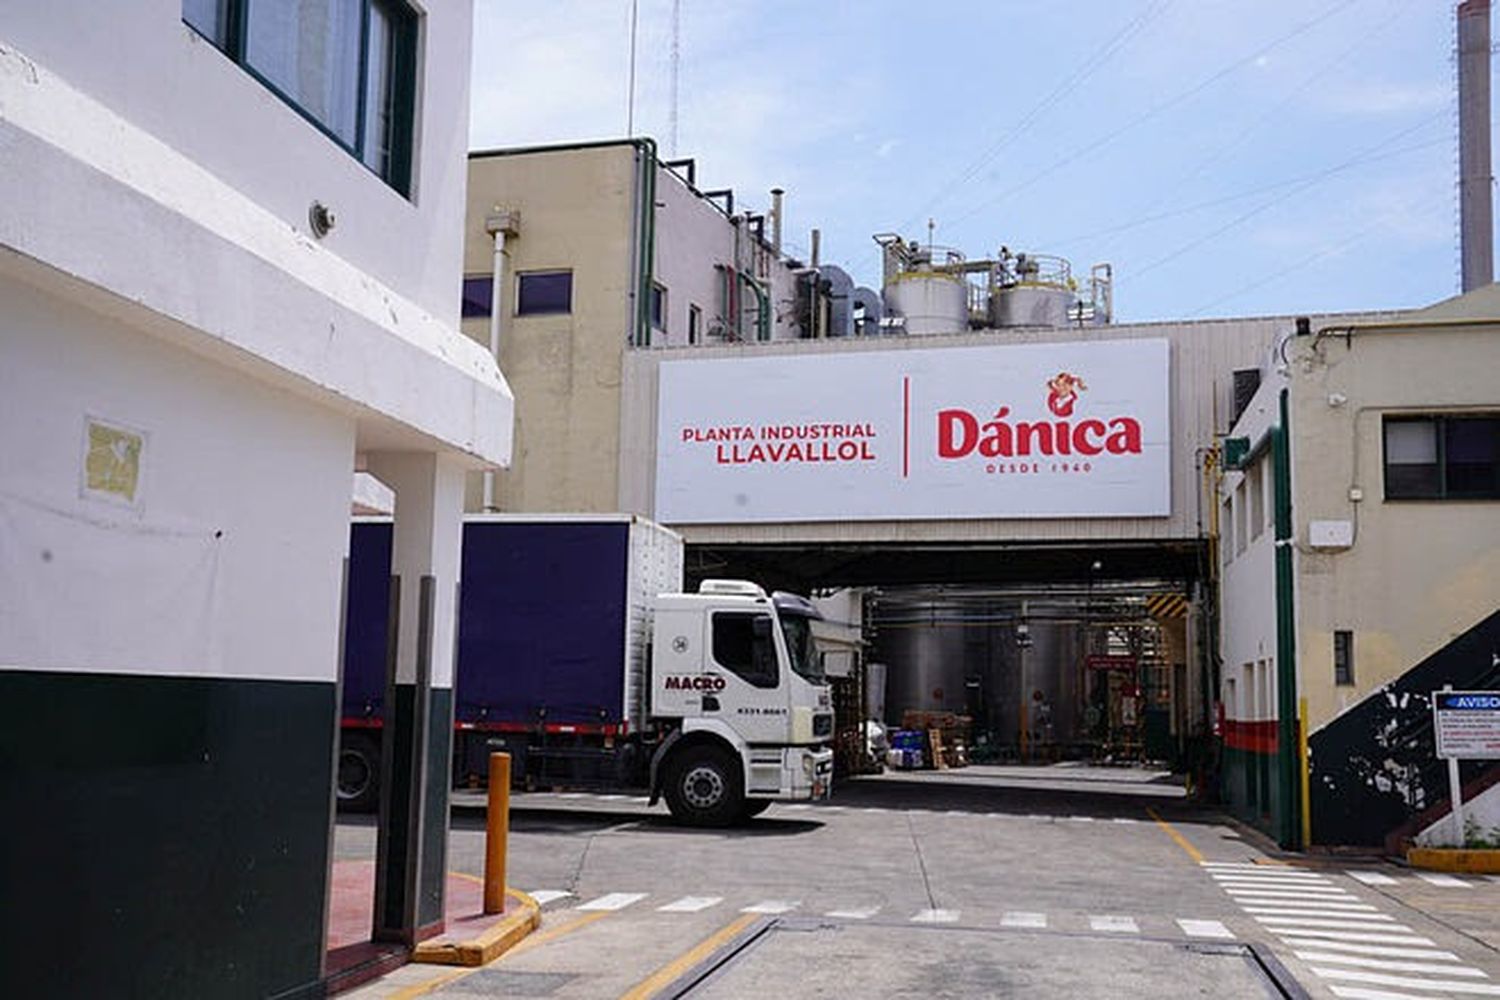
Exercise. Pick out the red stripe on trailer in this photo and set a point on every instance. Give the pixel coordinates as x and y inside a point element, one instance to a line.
<point>373,722</point>
<point>565,728</point>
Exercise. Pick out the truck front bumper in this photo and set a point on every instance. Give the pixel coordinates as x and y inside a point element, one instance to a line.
<point>806,773</point>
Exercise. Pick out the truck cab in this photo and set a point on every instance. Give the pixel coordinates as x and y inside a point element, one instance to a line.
<point>737,680</point>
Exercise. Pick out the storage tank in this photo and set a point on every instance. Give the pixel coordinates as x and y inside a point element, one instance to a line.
<point>1035,290</point>
<point>931,301</point>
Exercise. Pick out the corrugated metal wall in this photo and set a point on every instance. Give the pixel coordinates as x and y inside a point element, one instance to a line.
<point>1204,356</point>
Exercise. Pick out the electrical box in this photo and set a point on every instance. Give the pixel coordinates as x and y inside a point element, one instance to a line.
<point>1330,534</point>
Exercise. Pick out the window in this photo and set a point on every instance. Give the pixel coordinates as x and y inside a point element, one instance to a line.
<point>1226,532</point>
<point>742,645</point>
<point>540,293</point>
<point>1257,498</point>
<point>658,308</point>
<point>1241,535</point>
<point>695,324</point>
<point>1343,657</point>
<point>479,295</point>
<point>1442,458</point>
<point>348,66</point>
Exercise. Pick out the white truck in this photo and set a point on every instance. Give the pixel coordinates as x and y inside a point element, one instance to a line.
<point>579,654</point>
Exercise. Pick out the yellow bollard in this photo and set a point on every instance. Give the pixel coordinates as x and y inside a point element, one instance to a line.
<point>496,831</point>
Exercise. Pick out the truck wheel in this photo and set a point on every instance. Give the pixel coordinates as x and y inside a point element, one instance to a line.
<point>704,788</point>
<point>359,773</point>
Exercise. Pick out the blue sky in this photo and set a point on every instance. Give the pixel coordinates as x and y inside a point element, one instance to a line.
<point>1228,157</point>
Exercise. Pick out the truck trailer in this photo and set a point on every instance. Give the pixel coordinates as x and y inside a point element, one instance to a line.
<point>579,654</point>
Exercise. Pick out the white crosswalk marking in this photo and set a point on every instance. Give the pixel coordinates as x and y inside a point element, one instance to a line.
<point>1019,918</point>
<point>1289,916</point>
<point>611,798</point>
<point>1362,936</point>
<point>1343,923</point>
<point>1309,909</point>
<point>1384,950</point>
<point>1205,929</point>
<point>1441,968</point>
<point>614,901</point>
<point>1363,993</point>
<point>1322,892</point>
<point>1384,979</point>
<point>936,917</point>
<point>1113,924</point>
<point>545,896</point>
<point>858,913</point>
<point>1446,881</point>
<point>570,795</point>
<point>799,806</point>
<point>690,904</point>
<point>1371,878</point>
<point>1081,819</point>
<point>1125,819</point>
<point>1287,874</point>
<point>773,906</point>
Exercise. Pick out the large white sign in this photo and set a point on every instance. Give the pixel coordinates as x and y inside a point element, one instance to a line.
<point>1010,431</point>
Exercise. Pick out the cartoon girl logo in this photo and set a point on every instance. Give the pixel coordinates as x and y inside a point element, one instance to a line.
<point>1062,393</point>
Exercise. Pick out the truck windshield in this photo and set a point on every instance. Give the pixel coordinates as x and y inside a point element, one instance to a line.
<point>800,646</point>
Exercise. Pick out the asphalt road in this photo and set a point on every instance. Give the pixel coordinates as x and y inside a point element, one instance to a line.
<point>983,882</point>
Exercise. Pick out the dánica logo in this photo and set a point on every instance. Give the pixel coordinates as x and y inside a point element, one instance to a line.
<point>961,432</point>
<point>1062,393</point>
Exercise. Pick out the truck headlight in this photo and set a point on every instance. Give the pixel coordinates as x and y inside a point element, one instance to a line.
<point>823,724</point>
<point>807,765</point>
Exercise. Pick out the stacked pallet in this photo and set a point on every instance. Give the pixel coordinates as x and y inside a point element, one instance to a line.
<point>948,735</point>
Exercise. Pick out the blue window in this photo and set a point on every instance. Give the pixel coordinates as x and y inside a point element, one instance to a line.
<point>479,295</point>
<point>539,293</point>
<point>347,66</point>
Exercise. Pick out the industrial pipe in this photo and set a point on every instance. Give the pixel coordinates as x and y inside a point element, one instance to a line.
<point>496,832</point>
<point>498,225</point>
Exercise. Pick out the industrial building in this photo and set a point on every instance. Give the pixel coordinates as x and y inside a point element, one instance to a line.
<point>1360,552</point>
<point>229,284</point>
<point>1022,492</point>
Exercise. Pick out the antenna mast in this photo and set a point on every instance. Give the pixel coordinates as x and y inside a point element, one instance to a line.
<point>676,62</point>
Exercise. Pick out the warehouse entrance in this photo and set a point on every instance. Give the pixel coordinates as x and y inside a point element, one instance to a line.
<point>1009,655</point>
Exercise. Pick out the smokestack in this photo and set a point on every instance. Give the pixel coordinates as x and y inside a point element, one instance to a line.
<point>1475,208</point>
<point>776,194</point>
<point>817,237</point>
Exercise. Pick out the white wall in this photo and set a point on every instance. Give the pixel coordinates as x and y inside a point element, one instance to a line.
<point>1248,581</point>
<point>223,454</point>
<point>146,65</point>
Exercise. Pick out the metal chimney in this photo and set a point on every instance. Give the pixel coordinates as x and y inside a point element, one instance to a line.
<point>1475,205</point>
<point>776,194</point>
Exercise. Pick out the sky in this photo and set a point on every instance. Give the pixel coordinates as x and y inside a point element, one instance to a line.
<point>1227,157</point>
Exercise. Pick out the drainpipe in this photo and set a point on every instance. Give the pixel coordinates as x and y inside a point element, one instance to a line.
<point>499,224</point>
<point>1288,826</point>
<point>647,153</point>
<point>762,307</point>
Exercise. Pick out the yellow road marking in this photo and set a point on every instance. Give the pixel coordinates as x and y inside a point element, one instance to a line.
<point>1181,841</point>
<point>682,963</point>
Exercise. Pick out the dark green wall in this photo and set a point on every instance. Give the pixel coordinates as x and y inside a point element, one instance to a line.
<point>163,837</point>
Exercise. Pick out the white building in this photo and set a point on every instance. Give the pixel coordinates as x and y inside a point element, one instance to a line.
<point>230,249</point>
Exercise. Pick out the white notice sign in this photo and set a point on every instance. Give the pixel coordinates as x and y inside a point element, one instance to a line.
<point>1467,724</point>
<point>1076,429</point>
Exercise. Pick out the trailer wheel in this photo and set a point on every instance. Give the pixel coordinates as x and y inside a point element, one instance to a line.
<point>358,773</point>
<point>704,788</point>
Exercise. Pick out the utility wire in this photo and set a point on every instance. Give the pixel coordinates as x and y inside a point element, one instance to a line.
<point>1086,69</point>
<point>1144,220</point>
<point>1153,112</point>
<point>1314,257</point>
<point>1297,189</point>
<point>1241,136</point>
